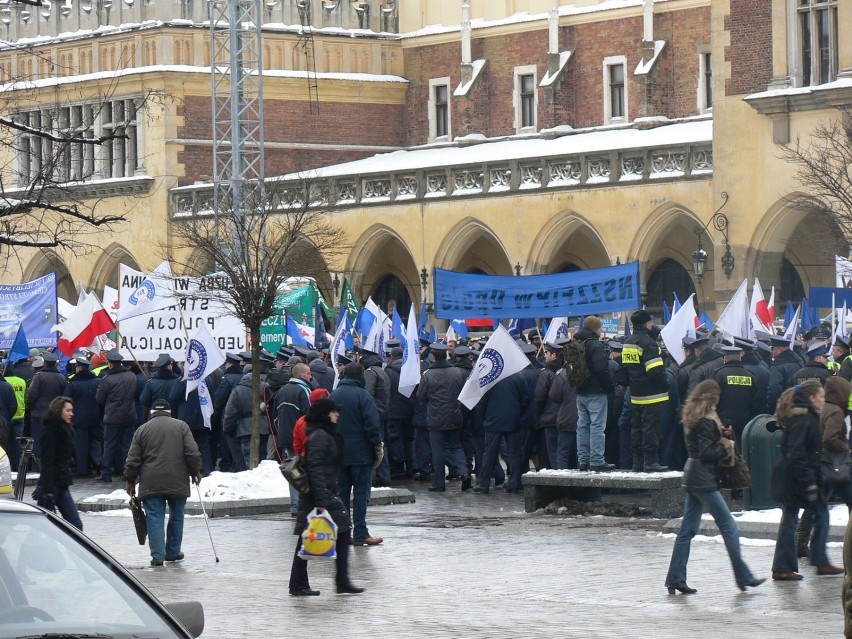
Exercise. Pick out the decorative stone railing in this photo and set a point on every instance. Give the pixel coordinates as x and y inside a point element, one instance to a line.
<point>489,178</point>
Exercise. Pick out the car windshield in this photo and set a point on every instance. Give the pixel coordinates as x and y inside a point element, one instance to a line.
<point>50,582</point>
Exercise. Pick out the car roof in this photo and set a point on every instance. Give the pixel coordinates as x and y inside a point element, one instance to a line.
<point>14,506</point>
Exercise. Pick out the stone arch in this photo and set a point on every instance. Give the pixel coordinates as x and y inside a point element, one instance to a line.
<point>379,252</point>
<point>472,244</point>
<point>314,265</point>
<point>568,238</point>
<point>796,231</point>
<point>48,261</point>
<point>669,234</point>
<point>105,272</point>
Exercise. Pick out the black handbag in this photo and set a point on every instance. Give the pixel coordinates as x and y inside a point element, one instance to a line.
<point>294,472</point>
<point>139,520</point>
<point>737,476</point>
<point>834,468</point>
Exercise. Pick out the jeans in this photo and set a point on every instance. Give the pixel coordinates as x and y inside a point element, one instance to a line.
<point>357,482</point>
<point>566,449</point>
<point>65,504</point>
<point>591,424</point>
<point>163,541</point>
<point>490,458</point>
<point>117,438</point>
<point>446,451</point>
<point>713,503</point>
<point>785,559</point>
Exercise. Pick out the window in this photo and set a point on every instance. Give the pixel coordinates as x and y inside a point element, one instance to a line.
<point>615,89</point>
<point>819,41</point>
<point>439,109</point>
<point>68,162</point>
<point>525,98</point>
<point>705,82</point>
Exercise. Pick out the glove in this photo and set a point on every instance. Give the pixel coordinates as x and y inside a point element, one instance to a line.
<point>197,478</point>
<point>47,501</point>
<point>262,407</point>
<point>811,493</point>
<point>130,488</point>
<point>378,454</point>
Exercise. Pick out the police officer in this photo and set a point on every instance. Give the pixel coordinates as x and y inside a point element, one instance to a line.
<point>643,363</point>
<point>707,361</point>
<point>88,434</point>
<point>160,383</point>
<point>842,361</point>
<point>399,433</point>
<point>759,369</point>
<point>230,454</point>
<point>785,364</point>
<point>281,374</point>
<point>817,365</point>
<point>739,400</point>
<point>117,395</point>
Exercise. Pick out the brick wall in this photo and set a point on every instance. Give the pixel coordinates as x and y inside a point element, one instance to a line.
<point>578,101</point>
<point>750,53</point>
<point>343,124</point>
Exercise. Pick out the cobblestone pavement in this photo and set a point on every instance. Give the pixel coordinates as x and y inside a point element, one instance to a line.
<point>462,565</point>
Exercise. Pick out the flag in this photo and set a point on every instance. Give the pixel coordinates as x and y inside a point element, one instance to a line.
<point>733,321</point>
<point>459,327</point>
<point>500,358</point>
<point>667,314</point>
<point>154,294</point>
<point>338,345</point>
<point>518,326</point>
<point>676,304</point>
<point>557,329</point>
<point>206,403</point>
<point>348,302</point>
<point>320,339</point>
<point>20,349</point>
<point>421,326</point>
<point>792,327</point>
<point>808,319</point>
<point>409,374</point>
<point>433,335</point>
<point>708,323</point>
<point>375,339</point>
<point>397,329</point>
<point>451,335</point>
<point>788,315</point>
<point>681,324</point>
<point>88,320</point>
<point>626,326</point>
<point>367,316</point>
<point>760,308</point>
<point>203,356</point>
<point>840,331</point>
<point>770,307</point>
<point>294,335</point>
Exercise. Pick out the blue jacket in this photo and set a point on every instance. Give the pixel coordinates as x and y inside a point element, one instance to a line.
<point>83,389</point>
<point>159,386</point>
<point>186,409</point>
<point>504,404</point>
<point>359,423</point>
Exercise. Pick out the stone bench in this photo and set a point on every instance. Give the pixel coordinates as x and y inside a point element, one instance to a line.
<point>541,488</point>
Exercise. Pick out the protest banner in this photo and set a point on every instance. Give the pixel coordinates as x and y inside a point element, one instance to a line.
<point>165,331</point>
<point>300,306</point>
<point>32,304</point>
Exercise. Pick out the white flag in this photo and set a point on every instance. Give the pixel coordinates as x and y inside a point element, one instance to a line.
<point>375,341</point>
<point>206,403</point>
<point>153,294</point>
<point>409,375</point>
<point>203,356</point>
<point>500,358</point>
<point>793,328</point>
<point>338,346</point>
<point>680,325</point>
<point>734,320</point>
<point>451,334</point>
<point>557,329</point>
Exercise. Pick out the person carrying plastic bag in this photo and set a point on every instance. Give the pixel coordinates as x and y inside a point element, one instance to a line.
<point>323,459</point>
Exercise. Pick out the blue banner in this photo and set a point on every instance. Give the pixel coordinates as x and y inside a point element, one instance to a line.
<point>575,294</point>
<point>820,297</point>
<point>32,304</point>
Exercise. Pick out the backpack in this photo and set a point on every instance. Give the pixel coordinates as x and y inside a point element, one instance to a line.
<point>576,363</point>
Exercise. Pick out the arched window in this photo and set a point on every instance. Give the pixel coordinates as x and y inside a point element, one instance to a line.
<point>392,288</point>
<point>792,288</point>
<point>667,278</point>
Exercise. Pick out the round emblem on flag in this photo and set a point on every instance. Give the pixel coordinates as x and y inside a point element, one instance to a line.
<point>491,365</point>
<point>562,331</point>
<point>144,294</point>
<point>196,361</point>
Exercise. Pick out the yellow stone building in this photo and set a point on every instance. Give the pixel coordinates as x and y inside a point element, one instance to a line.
<point>520,136</point>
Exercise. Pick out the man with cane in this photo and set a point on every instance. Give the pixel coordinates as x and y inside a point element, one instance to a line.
<point>163,457</point>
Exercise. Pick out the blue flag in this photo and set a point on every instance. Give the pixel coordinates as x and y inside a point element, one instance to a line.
<point>789,314</point>
<point>808,319</point>
<point>364,321</point>
<point>294,333</point>
<point>667,314</point>
<point>676,303</point>
<point>518,326</point>
<point>397,328</point>
<point>421,326</point>
<point>626,326</point>
<point>20,349</point>
<point>433,334</point>
<point>344,317</point>
<point>705,319</point>
<point>545,325</point>
<point>459,327</point>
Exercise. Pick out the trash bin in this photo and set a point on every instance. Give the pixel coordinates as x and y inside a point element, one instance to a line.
<point>761,448</point>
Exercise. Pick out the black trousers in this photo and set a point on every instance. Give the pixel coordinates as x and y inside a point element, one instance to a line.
<point>645,428</point>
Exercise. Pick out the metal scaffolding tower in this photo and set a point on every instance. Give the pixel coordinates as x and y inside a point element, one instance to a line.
<point>236,59</point>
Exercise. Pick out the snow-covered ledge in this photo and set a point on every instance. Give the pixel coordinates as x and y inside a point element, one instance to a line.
<point>790,100</point>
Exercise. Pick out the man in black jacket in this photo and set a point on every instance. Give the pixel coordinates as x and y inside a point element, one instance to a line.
<point>738,400</point>
<point>230,453</point>
<point>816,367</point>
<point>117,394</point>
<point>46,385</point>
<point>82,389</point>
<point>399,432</point>
<point>159,386</point>
<point>592,400</point>
<point>785,364</point>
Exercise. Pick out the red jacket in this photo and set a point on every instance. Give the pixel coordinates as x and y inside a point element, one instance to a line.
<point>299,436</point>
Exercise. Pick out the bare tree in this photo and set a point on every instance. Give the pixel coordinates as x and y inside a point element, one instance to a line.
<point>278,234</point>
<point>824,169</point>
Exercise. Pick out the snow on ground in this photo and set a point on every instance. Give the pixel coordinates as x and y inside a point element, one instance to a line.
<point>745,541</point>
<point>838,516</point>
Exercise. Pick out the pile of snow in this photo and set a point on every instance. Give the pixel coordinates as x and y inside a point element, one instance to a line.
<point>838,516</point>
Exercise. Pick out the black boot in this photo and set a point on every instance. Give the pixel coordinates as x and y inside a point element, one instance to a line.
<point>652,464</point>
<point>638,463</point>
<point>344,586</point>
<point>803,533</point>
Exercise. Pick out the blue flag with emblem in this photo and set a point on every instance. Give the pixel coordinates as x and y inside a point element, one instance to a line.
<point>294,334</point>
<point>397,329</point>
<point>459,327</point>
<point>518,326</point>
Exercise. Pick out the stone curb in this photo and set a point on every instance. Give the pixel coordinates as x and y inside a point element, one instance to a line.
<point>248,507</point>
<point>750,529</point>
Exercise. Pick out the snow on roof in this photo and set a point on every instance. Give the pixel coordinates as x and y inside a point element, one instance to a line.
<point>549,79</point>
<point>840,83</point>
<point>644,68</point>
<point>464,87</point>
<point>595,141</point>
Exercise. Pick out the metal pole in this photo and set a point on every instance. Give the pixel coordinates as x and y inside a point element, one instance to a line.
<point>203,510</point>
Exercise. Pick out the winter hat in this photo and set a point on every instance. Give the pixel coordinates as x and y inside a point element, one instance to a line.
<point>317,394</point>
<point>354,371</point>
<point>592,323</point>
<point>321,409</point>
<point>640,318</point>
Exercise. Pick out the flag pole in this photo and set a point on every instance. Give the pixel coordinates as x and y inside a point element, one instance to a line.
<point>130,350</point>
<point>540,341</point>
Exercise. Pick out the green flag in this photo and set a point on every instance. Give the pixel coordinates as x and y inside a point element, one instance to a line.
<point>347,300</point>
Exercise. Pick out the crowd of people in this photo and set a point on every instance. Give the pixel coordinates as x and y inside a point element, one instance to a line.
<point>583,403</point>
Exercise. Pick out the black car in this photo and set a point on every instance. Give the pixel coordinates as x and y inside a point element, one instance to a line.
<point>56,582</point>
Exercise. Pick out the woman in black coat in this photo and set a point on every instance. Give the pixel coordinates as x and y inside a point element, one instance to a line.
<point>57,460</point>
<point>323,460</point>
<point>796,480</point>
<point>707,449</point>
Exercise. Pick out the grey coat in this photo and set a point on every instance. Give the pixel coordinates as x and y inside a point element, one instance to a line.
<point>237,418</point>
<point>162,457</point>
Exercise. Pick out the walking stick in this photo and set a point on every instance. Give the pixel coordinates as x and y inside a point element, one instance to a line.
<point>203,510</point>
